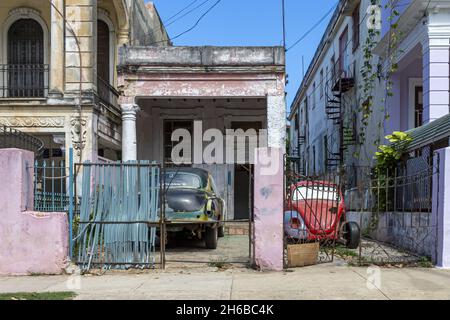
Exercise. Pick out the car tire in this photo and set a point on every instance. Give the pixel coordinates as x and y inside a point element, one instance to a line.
<point>352,235</point>
<point>211,237</point>
<point>221,232</point>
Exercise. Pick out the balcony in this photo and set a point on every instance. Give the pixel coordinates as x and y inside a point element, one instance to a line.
<point>23,80</point>
<point>342,78</point>
<point>107,95</point>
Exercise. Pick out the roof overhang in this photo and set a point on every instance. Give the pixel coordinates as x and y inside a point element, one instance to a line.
<point>204,59</point>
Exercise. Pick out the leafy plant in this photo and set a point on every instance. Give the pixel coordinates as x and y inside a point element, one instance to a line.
<point>389,155</point>
<point>387,159</point>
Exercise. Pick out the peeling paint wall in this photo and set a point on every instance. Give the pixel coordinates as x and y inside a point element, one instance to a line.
<point>31,242</point>
<point>268,212</point>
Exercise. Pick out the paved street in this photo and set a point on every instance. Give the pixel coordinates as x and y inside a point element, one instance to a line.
<point>328,281</point>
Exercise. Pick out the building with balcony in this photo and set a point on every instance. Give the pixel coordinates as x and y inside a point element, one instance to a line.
<point>325,116</point>
<point>58,77</point>
<point>325,103</point>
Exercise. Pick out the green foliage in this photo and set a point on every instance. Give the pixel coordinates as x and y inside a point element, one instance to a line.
<point>384,172</point>
<point>390,155</point>
<point>371,71</point>
<point>38,296</point>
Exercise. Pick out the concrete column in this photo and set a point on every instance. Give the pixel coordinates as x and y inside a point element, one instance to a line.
<point>268,208</point>
<point>276,122</point>
<point>56,86</point>
<point>129,140</point>
<point>436,68</point>
<point>441,207</point>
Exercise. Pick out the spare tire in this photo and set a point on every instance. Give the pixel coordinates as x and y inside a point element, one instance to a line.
<point>351,234</point>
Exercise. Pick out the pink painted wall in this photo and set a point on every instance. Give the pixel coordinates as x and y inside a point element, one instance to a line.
<point>30,242</point>
<point>268,208</point>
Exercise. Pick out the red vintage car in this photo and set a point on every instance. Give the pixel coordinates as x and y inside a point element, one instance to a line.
<point>315,211</point>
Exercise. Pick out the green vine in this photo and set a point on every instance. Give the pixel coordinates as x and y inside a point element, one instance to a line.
<point>371,72</point>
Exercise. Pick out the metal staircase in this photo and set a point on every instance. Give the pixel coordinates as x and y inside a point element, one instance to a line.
<point>335,112</point>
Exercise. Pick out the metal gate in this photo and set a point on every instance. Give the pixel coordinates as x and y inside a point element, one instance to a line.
<point>394,210</point>
<point>313,214</point>
<point>118,215</point>
<point>122,219</point>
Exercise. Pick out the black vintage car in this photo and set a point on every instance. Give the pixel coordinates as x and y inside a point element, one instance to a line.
<point>192,204</point>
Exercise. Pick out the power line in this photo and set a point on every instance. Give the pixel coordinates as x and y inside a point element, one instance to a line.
<point>192,10</point>
<point>181,11</point>
<point>193,27</point>
<point>313,27</point>
<point>165,24</point>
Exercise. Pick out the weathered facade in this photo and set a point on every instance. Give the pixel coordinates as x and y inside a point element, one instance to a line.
<point>223,87</point>
<point>325,136</point>
<point>45,46</point>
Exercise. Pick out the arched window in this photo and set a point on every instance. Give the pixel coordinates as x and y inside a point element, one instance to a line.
<point>26,59</point>
<point>103,49</point>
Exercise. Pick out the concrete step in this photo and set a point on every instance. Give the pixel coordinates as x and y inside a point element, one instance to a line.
<point>236,229</point>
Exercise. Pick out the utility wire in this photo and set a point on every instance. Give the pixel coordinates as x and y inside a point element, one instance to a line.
<point>313,27</point>
<point>166,24</point>
<point>192,10</point>
<point>198,21</point>
<point>181,11</point>
<point>191,28</point>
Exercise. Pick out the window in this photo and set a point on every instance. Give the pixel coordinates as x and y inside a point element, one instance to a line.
<point>322,83</point>
<point>314,96</point>
<point>355,18</point>
<point>333,68</point>
<point>103,46</point>
<point>296,121</point>
<point>325,150</point>
<point>343,53</point>
<point>169,127</point>
<point>418,118</point>
<point>314,160</point>
<point>26,59</point>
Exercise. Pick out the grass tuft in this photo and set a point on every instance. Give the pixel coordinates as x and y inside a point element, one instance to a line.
<point>65,295</point>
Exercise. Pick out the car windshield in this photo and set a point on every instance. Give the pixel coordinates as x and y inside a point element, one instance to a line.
<point>182,180</point>
<point>317,192</point>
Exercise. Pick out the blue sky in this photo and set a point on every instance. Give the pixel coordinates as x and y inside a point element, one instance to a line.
<point>253,23</point>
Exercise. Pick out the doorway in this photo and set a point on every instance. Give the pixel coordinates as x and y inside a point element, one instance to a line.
<point>243,175</point>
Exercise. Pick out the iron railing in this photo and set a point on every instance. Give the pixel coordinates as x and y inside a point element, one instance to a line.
<point>13,138</point>
<point>24,80</point>
<point>106,94</point>
<point>53,187</point>
<point>394,210</point>
<point>50,184</point>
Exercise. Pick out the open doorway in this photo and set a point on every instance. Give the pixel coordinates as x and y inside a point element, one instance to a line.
<point>243,173</point>
<point>243,191</point>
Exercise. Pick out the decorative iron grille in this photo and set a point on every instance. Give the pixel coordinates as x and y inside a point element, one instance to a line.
<point>23,80</point>
<point>13,138</point>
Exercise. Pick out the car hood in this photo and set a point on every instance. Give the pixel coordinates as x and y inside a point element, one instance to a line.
<point>186,200</point>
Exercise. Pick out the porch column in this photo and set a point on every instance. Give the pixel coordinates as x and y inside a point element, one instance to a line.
<point>129,140</point>
<point>441,207</point>
<point>436,71</point>
<point>276,122</point>
<point>56,82</point>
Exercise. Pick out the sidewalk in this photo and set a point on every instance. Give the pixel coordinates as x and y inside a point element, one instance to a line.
<point>328,281</point>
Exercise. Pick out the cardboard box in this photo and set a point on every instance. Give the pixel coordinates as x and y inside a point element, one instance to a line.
<point>302,255</point>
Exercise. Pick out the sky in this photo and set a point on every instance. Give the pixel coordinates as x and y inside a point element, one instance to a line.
<point>252,23</point>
